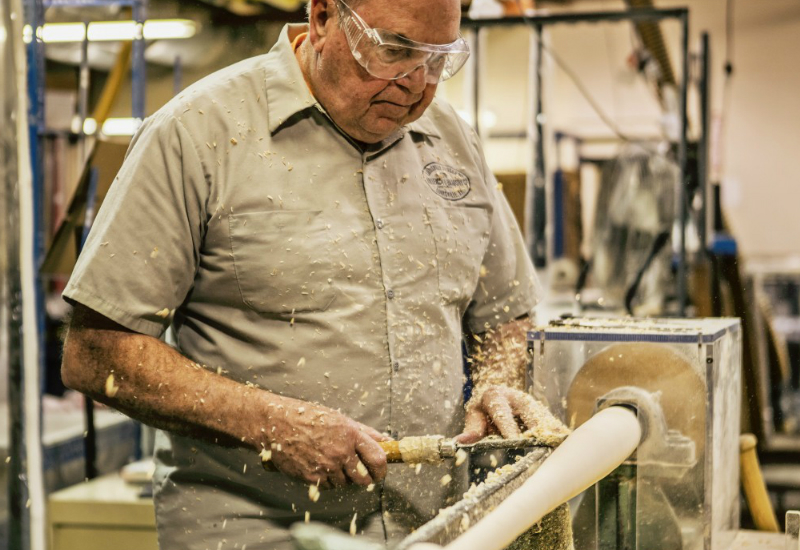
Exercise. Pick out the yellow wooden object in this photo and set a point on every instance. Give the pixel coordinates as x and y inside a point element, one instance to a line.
<point>755,490</point>
<point>103,514</point>
<point>392,450</point>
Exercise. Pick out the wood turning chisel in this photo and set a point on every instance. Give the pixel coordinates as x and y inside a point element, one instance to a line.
<point>433,449</point>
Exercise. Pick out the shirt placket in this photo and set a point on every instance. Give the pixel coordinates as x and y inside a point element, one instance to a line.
<point>378,201</point>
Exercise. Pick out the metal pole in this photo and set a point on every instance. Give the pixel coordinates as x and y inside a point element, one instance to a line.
<point>177,75</point>
<point>705,139</point>
<point>138,66</point>
<point>684,169</point>
<point>639,14</point>
<point>10,291</point>
<point>530,141</point>
<point>32,12</point>
<point>89,446</point>
<point>87,3</point>
<point>476,81</point>
<point>539,252</point>
<point>36,109</point>
<point>31,250</point>
<point>83,91</point>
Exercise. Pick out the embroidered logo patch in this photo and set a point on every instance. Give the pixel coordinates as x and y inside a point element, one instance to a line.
<point>447,182</point>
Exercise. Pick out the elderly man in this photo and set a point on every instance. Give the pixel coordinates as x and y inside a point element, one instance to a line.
<point>318,231</point>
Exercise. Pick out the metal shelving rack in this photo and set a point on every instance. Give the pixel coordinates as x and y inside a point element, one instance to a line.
<point>536,176</point>
<point>34,16</point>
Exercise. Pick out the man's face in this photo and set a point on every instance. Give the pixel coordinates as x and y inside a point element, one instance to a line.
<point>369,109</point>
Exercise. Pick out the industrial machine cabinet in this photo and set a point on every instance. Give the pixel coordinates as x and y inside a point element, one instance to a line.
<point>680,490</point>
<point>106,513</point>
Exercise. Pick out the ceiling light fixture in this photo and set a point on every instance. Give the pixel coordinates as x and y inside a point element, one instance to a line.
<point>113,31</point>
<point>112,126</point>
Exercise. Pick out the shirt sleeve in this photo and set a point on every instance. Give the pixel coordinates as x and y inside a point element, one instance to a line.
<point>141,256</point>
<point>508,287</point>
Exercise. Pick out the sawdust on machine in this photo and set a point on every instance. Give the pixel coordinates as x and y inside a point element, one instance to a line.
<point>554,532</point>
<point>547,429</point>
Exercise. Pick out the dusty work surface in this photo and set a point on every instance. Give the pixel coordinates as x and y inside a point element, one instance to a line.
<point>755,540</point>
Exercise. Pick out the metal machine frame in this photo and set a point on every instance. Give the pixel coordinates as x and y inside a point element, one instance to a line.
<point>536,177</point>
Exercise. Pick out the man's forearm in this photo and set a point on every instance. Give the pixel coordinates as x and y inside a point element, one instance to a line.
<point>151,382</point>
<point>148,380</point>
<point>499,356</point>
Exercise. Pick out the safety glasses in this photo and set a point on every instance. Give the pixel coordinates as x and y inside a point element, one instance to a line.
<point>389,56</point>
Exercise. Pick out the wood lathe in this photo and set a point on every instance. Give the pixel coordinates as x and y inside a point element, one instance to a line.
<point>671,390</point>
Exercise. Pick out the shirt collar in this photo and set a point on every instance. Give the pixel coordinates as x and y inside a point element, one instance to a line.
<point>287,92</point>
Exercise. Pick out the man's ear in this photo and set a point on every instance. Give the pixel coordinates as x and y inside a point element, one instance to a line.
<point>321,19</point>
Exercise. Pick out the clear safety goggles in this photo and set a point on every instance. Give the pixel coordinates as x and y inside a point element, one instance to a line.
<point>389,56</point>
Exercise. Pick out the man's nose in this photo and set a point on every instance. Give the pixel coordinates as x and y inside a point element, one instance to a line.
<point>414,81</point>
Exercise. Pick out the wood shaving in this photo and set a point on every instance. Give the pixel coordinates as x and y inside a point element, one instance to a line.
<point>499,357</point>
<point>111,388</point>
<point>548,429</point>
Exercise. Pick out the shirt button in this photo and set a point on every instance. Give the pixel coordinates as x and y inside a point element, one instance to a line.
<point>379,224</point>
<point>396,366</point>
<point>390,294</point>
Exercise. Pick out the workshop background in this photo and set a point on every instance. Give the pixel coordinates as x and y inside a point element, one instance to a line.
<point>651,160</point>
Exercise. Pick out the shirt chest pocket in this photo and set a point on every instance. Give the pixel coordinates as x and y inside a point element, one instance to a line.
<point>461,235</point>
<point>280,263</point>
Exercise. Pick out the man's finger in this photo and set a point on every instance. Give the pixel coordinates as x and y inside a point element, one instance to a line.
<point>372,456</point>
<point>502,416</point>
<point>336,478</point>
<point>475,425</point>
<point>468,437</point>
<point>357,472</point>
<point>373,433</point>
<point>524,406</point>
<point>321,481</point>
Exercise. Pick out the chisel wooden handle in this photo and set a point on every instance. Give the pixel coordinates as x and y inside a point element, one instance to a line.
<point>392,450</point>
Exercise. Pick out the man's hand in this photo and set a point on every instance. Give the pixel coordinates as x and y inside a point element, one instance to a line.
<point>497,361</point>
<point>499,409</point>
<point>324,447</point>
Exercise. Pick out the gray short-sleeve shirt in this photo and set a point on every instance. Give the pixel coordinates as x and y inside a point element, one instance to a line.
<point>243,218</point>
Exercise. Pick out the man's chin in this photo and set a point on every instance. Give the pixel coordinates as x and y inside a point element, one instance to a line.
<point>380,129</point>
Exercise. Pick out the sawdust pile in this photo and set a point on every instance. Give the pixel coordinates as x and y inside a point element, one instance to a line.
<point>554,532</point>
